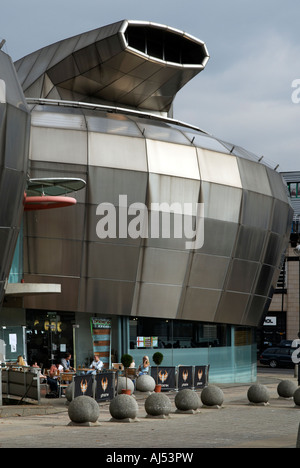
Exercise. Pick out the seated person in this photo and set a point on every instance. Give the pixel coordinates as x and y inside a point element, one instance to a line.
<point>144,367</point>
<point>21,361</point>
<point>52,378</point>
<point>96,365</point>
<point>35,368</point>
<point>66,363</point>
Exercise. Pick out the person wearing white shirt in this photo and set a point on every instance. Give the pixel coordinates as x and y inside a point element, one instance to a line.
<point>96,365</point>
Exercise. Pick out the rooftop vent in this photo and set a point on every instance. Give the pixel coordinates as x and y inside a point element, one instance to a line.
<point>138,64</point>
<point>166,44</point>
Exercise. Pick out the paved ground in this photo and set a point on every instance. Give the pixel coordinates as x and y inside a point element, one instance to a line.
<point>237,425</point>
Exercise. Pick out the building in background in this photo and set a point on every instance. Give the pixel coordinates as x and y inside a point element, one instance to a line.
<point>101,108</point>
<point>283,317</point>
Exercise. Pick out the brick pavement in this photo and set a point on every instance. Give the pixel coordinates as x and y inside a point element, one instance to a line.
<point>237,425</point>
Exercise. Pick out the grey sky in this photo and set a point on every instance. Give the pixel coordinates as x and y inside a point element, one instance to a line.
<point>244,94</point>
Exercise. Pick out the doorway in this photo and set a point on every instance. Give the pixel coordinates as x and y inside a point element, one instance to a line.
<point>49,336</point>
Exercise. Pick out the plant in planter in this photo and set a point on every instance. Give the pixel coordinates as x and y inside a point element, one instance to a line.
<point>126,360</point>
<point>157,358</point>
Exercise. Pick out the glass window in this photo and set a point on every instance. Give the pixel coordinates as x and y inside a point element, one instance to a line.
<point>243,336</point>
<point>167,333</point>
<point>116,124</point>
<point>294,189</point>
<point>161,131</point>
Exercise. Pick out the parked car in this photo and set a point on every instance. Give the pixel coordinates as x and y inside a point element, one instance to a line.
<point>287,343</point>
<point>277,357</point>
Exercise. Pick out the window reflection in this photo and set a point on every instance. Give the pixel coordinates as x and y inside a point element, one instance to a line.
<point>167,333</point>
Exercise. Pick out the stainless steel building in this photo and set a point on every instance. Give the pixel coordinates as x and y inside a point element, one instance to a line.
<point>14,147</point>
<point>101,107</point>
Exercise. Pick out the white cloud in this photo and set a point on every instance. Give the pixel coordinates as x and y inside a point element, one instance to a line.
<point>249,102</point>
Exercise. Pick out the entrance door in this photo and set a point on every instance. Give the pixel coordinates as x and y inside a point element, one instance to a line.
<point>49,336</point>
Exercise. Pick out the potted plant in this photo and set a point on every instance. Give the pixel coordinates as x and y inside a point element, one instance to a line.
<point>157,358</point>
<point>126,360</point>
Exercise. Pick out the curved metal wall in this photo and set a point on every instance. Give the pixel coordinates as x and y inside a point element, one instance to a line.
<point>138,64</point>
<point>14,141</point>
<point>246,226</point>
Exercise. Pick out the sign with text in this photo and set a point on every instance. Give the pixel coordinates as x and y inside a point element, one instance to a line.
<point>201,376</point>
<point>164,376</point>
<point>105,386</point>
<point>185,377</point>
<point>270,321</point>
<point>83,385</point>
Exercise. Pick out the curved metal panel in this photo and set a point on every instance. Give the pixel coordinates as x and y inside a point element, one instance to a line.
<point>107,296</point>
<point>219,237</point>
<point>232,307</point>
<point>221,202</point>
<point>241,276</point>
<point>50,223</point>
<point>152,296</point>
<point>277,184</point>
<point>281,218</point>
<point>49,118</point>
<point>253,315</point>
<point>219,168</point>
<point>250,243</point>
<point>264,280</point>
<point>117,151</point>
<point>254,176</point>
<point>105,185</point>
<point>163,228</point>
<point>173,190</point>
<point>208,271</point>
<point>257,210</point>
<point>174,160</point>
<point>48,144</point>
<point>112,261</point>
<point>273,250</point>
<point>200,304</point>
<point>164,266</point>
<point>62,258</point>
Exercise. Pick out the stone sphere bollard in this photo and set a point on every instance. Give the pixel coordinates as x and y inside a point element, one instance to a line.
<point>69,391</point>
<point>158,404</point>
<point>145,383</point>
<point>258,394</point>
<point>122,384</point>
<point>212,396</point>
<point>123,407</point>
<point>187,400</point>
<point>83,410</point>
<point>286,388</point>
<point>296,397</point>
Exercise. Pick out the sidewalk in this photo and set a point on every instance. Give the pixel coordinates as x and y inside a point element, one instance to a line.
<point>238,424</point>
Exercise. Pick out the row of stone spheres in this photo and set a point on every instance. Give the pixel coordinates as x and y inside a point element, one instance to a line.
<point>85,410</point>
